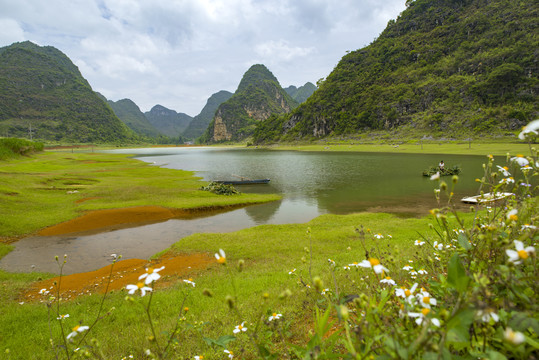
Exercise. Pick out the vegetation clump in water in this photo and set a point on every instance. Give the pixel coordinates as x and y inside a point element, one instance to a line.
<point>220,188</point>
<point>454,170</point>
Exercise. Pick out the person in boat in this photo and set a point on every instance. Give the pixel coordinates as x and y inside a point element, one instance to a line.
<point>441,165</point>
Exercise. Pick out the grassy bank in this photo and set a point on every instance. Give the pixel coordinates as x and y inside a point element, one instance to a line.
<point>269,254</point>
<point>416,147</point>
<point>49,188</point>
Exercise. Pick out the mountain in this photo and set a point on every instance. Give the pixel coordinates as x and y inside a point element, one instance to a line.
<point>200,122</point>
<point>129,113</point>
<point>302,93</point>
<point>43,92</point>
<point>454,68</point>
<point>258,96</point>
<point>168,122</point>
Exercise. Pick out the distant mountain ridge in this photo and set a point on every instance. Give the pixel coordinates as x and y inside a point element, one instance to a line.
<point>168,122</point>
<point>200,122</point>
<point>42,90</point>
<point>129,113</point>
<point>302,93</point>
<point>259,95</point>
<point>444,68</point>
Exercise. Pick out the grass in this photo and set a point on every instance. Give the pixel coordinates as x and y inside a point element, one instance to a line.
<point>269,252</point>
<point>43,190</point>
<point>458,148</point>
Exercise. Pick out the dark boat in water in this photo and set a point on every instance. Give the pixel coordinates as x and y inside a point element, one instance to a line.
<point>243,182</point>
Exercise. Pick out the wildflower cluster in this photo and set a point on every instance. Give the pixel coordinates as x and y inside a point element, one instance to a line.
<point>470,289</point>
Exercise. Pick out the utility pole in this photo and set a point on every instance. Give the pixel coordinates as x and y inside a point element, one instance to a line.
<point>30,130</point>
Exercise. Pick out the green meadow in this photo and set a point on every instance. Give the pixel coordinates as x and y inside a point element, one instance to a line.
<point>308,274</point>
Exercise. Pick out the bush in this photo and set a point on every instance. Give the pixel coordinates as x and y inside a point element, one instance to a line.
<point>12,147</point>
<point>220,189</point>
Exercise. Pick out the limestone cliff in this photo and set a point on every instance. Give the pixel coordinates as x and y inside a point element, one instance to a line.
<point>259,95</point>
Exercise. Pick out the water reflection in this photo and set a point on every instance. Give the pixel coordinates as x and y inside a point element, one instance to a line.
<point>311,184</point>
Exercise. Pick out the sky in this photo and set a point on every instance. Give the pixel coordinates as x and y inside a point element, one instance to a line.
<point>177,53</point>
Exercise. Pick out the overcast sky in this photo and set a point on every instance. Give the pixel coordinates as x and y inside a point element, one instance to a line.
<point>177,53</point>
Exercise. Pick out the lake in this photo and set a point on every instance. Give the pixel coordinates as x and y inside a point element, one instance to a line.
<point>311,183</point>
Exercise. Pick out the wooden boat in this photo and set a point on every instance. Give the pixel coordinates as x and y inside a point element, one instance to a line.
<point>486,198</point>
<point>243,182</point>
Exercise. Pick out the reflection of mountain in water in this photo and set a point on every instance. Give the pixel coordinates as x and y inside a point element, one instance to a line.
<point>261,214</point>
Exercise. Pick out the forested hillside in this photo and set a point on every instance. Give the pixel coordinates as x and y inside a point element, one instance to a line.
<point>456,68</point>
<point>302,93</point>
<point>200,122</point>
<point>44,96</point>
<point>168,122</point>
<point>259,95</point>
<point>129,113</point>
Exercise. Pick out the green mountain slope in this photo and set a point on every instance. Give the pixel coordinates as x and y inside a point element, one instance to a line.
<point>302,93</point>
<point>443,68</point>
<point>129,113</point>
<point>168,122</point>
<point>200,122</point>
<point>42,90</point>
<point>258,96</point>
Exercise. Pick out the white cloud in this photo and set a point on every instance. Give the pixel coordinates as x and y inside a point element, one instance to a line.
<point>177,53</point>
<point>11,31</point>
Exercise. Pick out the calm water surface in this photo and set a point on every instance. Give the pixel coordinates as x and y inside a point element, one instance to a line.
<point>311,183</point>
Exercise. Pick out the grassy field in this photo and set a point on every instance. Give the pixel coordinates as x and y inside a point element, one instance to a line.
<point>49,188</point>
<point>280,265</point>
<point>269,254</point>
<point>459,148</point>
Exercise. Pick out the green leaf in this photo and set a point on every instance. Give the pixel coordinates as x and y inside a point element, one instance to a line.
<point>456,275</point>
<point>463,241</point>
<point>494,355</point>
<point>458,328</point>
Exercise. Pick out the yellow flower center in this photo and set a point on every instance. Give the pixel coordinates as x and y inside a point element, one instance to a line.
<point>240,327</point>
<point>426,300</point>
<point>355,262</point>
<point>186,309</point>
<point>425,311</point>
<point>76,328</point>
<point>221,260</point>
<point>388,278</point>
<point>374,261</point>
<point>140,285</point>
<point>505,168</point>
<point>149,270</point>
<point>513,217</point>
<point>191,279</point>
<point>523,254</point>
<point>407,292</point>
<point>520,155</point>
<point>274,314</point>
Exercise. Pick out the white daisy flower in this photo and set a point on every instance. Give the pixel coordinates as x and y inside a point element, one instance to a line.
<point>422,272</point>
<point>437,246</point>
<point>190,282</point>
<point>421,316</point>
<point>291,272</point>
<point>407,268</point>
<point>521,253</point>
<point>425,300</point>
<point>388,280</point>
<point>140,286</point>
<point>374,264</point>
<point>229,353</point>
<point>62,317</point>
<point>77,329</point>
<point>419,243</point>
<point>514,337</point>
<point>504,170</point>
<point>151,275</point>
<point>520,160</point>
<point>507,180</point>
<point>274,316</point>
<point>487,314</point>
<point>221,256</point>
<point>240,328</point>
<point>379,236</point>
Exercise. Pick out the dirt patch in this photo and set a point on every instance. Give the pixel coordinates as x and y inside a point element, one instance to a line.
<point>124,272</point>
<point>86,199</point>
<point>100,219</point>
